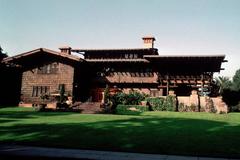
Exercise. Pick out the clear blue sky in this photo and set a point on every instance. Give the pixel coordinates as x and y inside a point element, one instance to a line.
<point>180,26</point>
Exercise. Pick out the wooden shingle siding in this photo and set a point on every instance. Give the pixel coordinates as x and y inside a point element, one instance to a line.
<point>32,78</point>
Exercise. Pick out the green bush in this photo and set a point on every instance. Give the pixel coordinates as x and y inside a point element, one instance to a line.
<point>170,103</point>
<point>130,109</point>
<point>133,98</point>
<point>162,104</point>
<point>236,108</point>
<point>156,104</point>
<point>118,98</point>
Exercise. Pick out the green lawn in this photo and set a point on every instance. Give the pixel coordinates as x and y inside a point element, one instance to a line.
<point>152,132</point>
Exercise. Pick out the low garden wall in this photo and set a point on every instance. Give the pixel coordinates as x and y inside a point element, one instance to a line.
<point>192,103</point>
<point>205,103</point>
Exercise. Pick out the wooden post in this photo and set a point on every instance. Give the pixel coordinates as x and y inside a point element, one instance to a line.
<point>167,84</point>
<point>202,84</point>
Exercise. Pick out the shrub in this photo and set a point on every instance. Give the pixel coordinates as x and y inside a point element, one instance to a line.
<point>133,98</point>
<point>161,104</point>
<point>236,108</point>
<point>192,108</point>
<point>182,107</point>
<point>186,108</point>
<point>156,104</point>
<point>170,103</point>
<point>130,109</point>
<point>231,98</point>
<point>118,98</point>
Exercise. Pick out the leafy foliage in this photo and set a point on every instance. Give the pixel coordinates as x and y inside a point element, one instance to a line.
<point>230,90</point>
<point>223,83</point>
<point>156,104</point>
<point>236,81</point>
<point>2,54</point>
<point>170,103</point>
<point>161,104</point>
<point>231,98</point>
<point>133,98</point>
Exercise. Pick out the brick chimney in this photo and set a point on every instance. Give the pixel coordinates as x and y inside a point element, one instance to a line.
<point>65,50</point>
<point>148,41</point>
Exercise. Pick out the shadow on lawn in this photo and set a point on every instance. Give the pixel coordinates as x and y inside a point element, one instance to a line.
<point>135,134</point>
<point>32,114</point>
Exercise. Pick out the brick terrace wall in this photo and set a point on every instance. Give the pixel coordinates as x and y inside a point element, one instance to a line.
<point>217,102</point>
<point>31,78</point>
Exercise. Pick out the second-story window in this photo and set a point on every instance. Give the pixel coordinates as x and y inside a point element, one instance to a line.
<point>39,90</point>
<point>48,69</point>
<point>135,55</point>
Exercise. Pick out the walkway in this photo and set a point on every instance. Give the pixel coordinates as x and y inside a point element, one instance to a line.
<point>19,150</point>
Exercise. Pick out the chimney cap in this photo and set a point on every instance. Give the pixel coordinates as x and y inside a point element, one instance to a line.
<point>65,47</point>
<point>149,37</point>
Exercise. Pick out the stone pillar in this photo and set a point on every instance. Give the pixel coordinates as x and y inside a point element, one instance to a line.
<point>175,100</point>
<point>171,93</point>
<point>103,96</point>
<point>194,100</point>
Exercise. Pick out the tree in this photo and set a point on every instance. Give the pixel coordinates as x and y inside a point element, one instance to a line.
<point>236,81</point>
<point>2,54</point>
<point>223,83</point>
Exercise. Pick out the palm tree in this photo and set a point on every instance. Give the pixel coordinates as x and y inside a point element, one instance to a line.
<point>223,83</point>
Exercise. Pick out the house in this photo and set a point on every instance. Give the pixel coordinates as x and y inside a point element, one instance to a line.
<point>44,71</point>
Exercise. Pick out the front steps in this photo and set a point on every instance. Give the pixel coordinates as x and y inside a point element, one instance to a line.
<point>88,107</point>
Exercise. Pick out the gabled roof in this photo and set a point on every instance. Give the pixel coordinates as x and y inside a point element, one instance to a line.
<point>42,51</point>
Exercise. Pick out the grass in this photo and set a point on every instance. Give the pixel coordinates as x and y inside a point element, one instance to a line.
<point>202,134</point>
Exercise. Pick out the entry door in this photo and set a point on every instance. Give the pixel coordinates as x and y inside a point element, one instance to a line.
<point>97,95</point>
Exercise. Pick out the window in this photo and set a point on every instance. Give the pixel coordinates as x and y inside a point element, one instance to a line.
<point>135,56</point>
<point>48,69</point>
<point>130,56</point>
<point>39,90</point>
